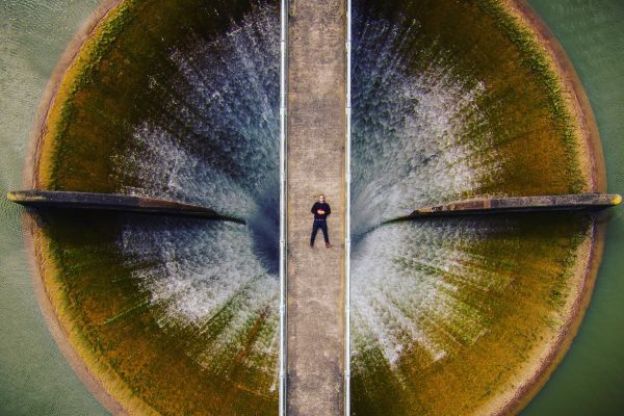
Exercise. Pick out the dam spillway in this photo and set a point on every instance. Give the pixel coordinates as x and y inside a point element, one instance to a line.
<point>419,309</point>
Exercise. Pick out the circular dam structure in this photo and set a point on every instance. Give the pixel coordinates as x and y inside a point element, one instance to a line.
<point>456,100</point>
<point>179,100</point>
<point>169,315</point>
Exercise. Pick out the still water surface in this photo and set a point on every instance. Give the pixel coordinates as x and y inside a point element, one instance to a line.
<point>34,377</point>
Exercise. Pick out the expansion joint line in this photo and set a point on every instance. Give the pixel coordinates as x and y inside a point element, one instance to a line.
<point>347,243</point>
<point>283,176</point>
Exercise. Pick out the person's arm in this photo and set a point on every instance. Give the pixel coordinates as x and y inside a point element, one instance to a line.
<point>313,210</point>
<point>328,210</point>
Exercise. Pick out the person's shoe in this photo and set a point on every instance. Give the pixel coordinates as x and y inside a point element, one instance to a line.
<point>311,245</point>
<point>328,245</point>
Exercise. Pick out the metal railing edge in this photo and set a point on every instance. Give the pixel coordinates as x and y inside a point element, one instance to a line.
<point>347,316</point>
<point>283,207</point>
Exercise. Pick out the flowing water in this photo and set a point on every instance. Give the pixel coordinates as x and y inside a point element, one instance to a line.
<point>147,296</point>
<point>34,376</point>
<point>225,156</point>
<point>429,282</point>
<point>442,113</point>
<point>590,378</point>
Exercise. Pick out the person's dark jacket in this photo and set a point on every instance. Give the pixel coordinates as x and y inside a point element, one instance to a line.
<point>320,206</point>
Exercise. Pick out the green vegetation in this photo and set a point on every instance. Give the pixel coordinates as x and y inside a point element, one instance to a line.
<point>105,94</point>
<point>114,328</point>
<point>540,63</point>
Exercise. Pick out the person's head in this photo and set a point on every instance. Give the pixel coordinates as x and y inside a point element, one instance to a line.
<point>321,198</point>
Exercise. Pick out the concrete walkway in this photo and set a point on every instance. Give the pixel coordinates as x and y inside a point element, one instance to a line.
<point>316,157</point>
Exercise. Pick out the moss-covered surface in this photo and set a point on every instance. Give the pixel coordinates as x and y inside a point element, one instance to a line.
<point>105,93</point>
<point>535,142</point>
<point>113,326</point>
<point>537,259</point>
<point>103,96</point>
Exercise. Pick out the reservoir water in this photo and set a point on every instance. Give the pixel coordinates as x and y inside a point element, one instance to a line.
<point>34,377</point>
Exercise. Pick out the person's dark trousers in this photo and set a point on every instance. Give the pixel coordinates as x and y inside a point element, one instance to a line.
<point>322,224</point>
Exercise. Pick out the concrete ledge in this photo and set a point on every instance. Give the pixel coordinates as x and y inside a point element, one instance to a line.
<point>111,202</point>
<point>520,204</point>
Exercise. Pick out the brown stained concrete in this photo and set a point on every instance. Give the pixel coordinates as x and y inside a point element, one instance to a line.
<point>316,158</point>
<point>37,198</point>
<point>521,204</point>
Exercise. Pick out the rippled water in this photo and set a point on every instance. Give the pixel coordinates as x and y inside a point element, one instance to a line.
<point>34,376</point>
<point>207,132</point>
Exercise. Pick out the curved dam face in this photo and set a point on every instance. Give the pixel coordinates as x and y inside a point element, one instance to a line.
<point>174,100</point>
<point>454,100</point>
<point>179,100</point>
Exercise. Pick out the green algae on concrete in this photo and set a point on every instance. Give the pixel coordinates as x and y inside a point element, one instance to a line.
<point>105,92</point>
<point>529,121</point>
<point>111,321</point>
<point>492,304</point>
<point>534,270</point>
